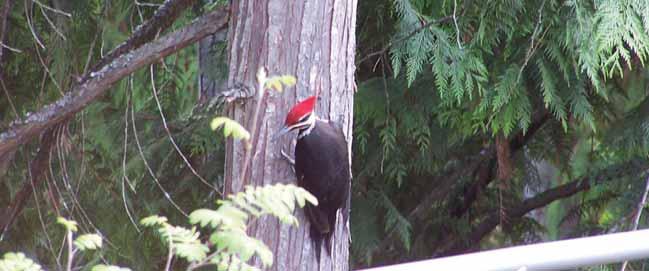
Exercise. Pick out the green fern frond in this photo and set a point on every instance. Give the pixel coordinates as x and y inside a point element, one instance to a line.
<point>18,262</point>
<point>394,220</point>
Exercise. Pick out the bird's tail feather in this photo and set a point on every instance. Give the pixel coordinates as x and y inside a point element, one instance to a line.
<point>322,228</point>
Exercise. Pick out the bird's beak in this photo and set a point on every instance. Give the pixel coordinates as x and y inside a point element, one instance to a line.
<point>280,133</point>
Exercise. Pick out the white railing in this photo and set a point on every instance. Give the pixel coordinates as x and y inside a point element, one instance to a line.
<point>559,255</point>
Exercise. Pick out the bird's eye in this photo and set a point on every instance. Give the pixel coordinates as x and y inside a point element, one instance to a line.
<point>304,118</point>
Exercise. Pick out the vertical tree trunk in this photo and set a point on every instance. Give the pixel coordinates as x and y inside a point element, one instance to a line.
<point>296,38</point>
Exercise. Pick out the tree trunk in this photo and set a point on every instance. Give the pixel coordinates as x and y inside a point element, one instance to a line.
<point>297,38</point>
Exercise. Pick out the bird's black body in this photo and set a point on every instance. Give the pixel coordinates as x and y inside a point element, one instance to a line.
<point>322,168</point>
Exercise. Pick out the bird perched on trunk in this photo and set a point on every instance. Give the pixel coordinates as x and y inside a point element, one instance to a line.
<point>322,168</point>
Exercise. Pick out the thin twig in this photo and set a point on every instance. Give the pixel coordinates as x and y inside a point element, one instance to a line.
<point>638,213</point>
<point>11,103</point>
<point>533,44</point>
<point>146,164</point>
<point>15,50</point>
<point>71,250</point>
<point>145,4</point>
<point>47,70</point>
<point>49,21</point>
<point>125,178</point>
<point>170,255</point>
<point>205,261</point>
<point>31,26</point>
<point>253,125</point>
<point>90,53</point>
<point>76,203</point>
<point>457,29</point>
<point>52,9</point>
<point>56,187</point>
<point>173,142</point>
<point>40,217</point>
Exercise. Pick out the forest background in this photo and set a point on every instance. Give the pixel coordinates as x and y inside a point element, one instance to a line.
<point>477,125</point>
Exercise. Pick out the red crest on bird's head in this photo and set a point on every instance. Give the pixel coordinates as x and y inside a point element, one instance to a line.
<point>300,110</point>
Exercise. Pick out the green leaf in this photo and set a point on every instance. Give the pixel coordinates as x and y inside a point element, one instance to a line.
<point>230,128</point>
<point>154,220</point>
<point>69,225</point>
<point>277,82</point>
<point>238,242</point>
<point>18,262</point>
<point>88,242</point>
<point>227,217</point>
<point>192,252</point>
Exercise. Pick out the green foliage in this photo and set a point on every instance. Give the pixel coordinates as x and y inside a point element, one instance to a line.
<point>88,242</point>
<point>68,224</point>
<point>230,128</point>
<point>97,160</point>
<point>17,262</point>
<point>277,82</point>
<point>394,221</point>
<point>230,247</point>
<point>532,38</point>
<point>183,242</point>
<point>564,79</point>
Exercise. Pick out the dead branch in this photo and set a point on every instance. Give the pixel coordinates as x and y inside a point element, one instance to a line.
<point>37,172</point>
<point>99,82</point>
<point>161,20</point>
<point>485,227</point>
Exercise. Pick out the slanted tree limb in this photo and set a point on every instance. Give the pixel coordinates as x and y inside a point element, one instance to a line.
<point>484,174</point>
<point>482,167</point>
<point>37,169</point>
<point>161,20</point>
<point>493,219</point>
<point>80,96</point>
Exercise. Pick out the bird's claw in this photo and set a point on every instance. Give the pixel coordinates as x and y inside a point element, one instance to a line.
<point>238,92</point>
<point>288,158</point>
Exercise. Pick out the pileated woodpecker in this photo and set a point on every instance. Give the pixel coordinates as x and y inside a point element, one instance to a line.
<point>322,168</point>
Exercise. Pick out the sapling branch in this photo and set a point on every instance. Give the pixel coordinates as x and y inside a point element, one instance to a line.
<point>261,80</point>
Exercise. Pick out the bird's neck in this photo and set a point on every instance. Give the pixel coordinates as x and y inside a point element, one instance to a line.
<point>308,128</point>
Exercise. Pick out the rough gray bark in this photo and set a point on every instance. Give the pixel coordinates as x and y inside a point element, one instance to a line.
<point>296,38</point>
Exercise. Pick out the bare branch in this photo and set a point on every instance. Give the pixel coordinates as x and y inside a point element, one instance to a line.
<point>36,174</point>
<point>479,231</point>
<point>161,20</point>
<point>15,50</point>
<point>482,166</point>
<point>31,26</point>
<point>43,6</point>
<point>52,25</point>
<point>457,28</point>
<point>80,96</point>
